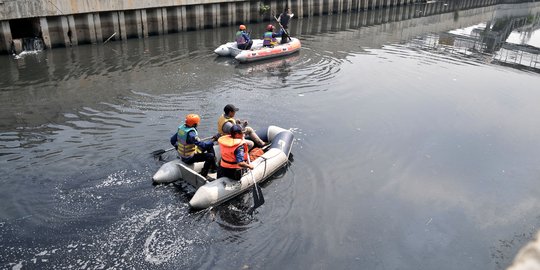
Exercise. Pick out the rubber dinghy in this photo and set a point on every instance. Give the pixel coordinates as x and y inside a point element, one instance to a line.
<point>257,51</point>
<point>222,189</point>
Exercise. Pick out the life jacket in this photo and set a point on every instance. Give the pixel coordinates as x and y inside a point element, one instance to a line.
<point>227,146</point>
<point>185,150</point>
<point>268,39</point>
<point>255,153</point>
<point>240,39</point>
<point>221,121</point>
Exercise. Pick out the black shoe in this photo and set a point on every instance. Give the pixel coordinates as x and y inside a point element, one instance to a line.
<point>204,172</point>
<point>213,167</point>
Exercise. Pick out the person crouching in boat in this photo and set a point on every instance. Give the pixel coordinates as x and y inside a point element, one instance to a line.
<point>243,40</point>
<point>234,151</point>
<point>192,149</point>
<point>269,37</point>
<point>226,121</point>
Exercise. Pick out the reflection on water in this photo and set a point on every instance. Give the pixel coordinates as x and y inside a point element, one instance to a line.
<point>413,140</point>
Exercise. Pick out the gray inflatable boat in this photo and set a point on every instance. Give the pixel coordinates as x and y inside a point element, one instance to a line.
<point>210,193</point>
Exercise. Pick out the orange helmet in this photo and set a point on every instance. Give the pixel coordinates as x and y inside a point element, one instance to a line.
<point>192,119</point>
<point>242,27</point>
<point>269,27</point>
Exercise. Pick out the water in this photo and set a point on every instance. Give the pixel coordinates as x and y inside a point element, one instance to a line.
<point>415,149</point>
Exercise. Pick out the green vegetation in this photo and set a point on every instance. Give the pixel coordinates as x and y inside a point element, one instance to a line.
<point>263,9</point>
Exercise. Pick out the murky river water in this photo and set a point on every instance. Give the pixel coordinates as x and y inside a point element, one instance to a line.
<point>416,148</point>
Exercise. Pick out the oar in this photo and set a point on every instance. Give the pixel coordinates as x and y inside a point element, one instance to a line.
<point>284,30</point>
<point>114,34</point>
<point>258,198</point>
<point>160,152</point>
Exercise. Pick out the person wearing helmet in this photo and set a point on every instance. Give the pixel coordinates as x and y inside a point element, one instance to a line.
<point>234,151</point>
<point>226,121</point>
<point>283,20</point>
<point>191,148</point>
<point>243,40</point>
<point>269,37</point>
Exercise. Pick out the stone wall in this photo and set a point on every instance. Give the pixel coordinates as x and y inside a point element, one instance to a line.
<point>62,23</point>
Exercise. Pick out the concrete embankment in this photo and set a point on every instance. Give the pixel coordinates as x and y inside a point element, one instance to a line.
<point>57,23</point>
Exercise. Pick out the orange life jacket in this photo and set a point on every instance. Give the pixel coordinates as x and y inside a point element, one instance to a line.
<point>255,153</point>
<point>227,146</point>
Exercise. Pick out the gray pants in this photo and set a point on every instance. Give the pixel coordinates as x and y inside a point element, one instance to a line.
<point>248,131</point>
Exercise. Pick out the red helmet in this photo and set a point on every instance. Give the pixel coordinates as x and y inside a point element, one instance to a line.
<point>269,27</point>
<point>242,27</point>
<point>192,119</point>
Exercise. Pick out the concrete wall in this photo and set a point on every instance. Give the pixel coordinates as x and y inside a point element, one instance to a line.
<point>73,22</point>
<point>16,9</point>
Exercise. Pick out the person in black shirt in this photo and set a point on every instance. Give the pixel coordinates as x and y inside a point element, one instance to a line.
<point>284,19</point>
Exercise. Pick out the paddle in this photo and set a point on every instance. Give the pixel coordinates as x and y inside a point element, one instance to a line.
<point>160,152</point>
<point>258,198</point>
<point>284,30</point>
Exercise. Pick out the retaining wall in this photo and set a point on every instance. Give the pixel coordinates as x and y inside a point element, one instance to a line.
<point>62,23</point>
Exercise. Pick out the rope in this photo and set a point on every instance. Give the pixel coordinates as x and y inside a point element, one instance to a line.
<point>265,159</point>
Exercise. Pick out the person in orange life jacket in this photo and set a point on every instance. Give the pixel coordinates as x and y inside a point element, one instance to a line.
<point>269,37</point>
<point>243,40</point>
<point>190,148</point>
<point>226,121</point>
<point>234,153</point>
<point>284,21</point>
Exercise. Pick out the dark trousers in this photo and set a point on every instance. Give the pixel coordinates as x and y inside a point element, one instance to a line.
<point>245,46</point>
<point>208,158</point>
<point>284,37</point>
<point>234,174</point>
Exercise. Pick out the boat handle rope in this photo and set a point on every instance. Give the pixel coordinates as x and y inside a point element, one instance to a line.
<point>265,159</point>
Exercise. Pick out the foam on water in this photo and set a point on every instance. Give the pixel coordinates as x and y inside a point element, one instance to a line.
<point>157,234</point>
<point>25,53</point>
<point>116,179</point>
<point>141,239</point>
